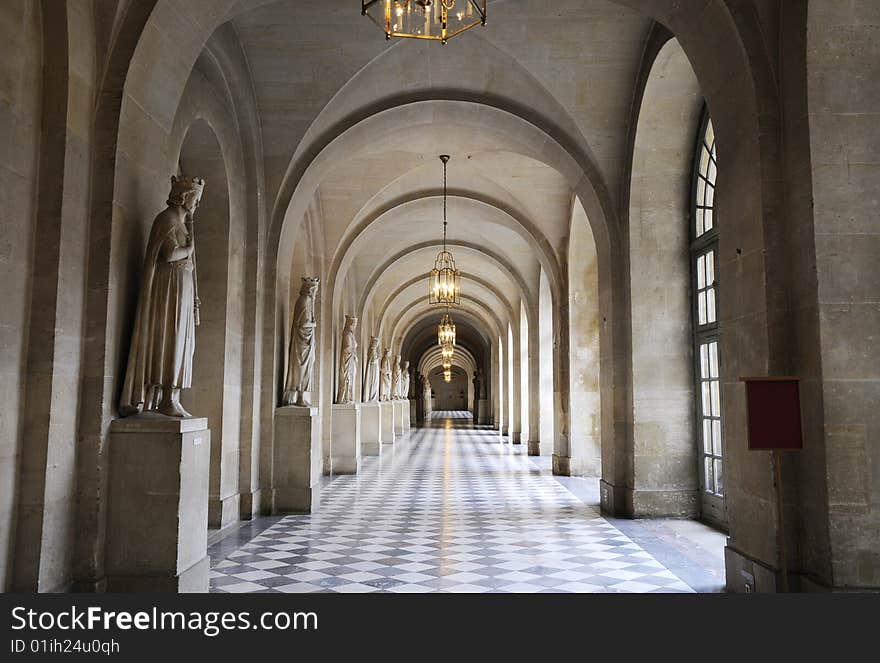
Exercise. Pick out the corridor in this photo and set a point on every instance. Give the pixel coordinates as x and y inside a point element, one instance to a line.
<point>445,509</point>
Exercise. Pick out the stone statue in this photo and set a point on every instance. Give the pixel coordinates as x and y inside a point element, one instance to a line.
<point>301,366</point>
<point>371,372</point>
<point>404,379</point>
<point>426,389</point>
<point>160,359</point>
<point>396,380</point>
<point>478,385</point>
<point>386,377</point>
<point>348,363</point>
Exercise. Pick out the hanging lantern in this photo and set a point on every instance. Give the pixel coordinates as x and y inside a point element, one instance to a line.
<point>444,287</point>
<point>446,331</point>
<point>446,353</point>
<point>447,376</point>
<point>437,20</point>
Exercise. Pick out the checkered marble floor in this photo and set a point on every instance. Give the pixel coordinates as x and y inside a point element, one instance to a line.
<point>448,509</point>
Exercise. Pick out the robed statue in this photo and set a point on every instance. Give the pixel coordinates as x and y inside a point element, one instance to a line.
<point>160,359</point>
<point>348,363</point>
<point>396,380</point>
<point>478,385</point>
<point>371,372</point>
<point>385,384</point>
<point>301,362</point>
<point>404,380</point>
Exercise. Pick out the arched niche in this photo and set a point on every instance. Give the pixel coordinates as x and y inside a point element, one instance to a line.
<point>664,462</point>
<point>214,361</point>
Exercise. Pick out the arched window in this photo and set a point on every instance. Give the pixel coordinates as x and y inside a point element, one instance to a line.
<point>704,274</point>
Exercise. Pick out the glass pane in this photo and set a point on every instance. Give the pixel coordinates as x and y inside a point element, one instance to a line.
<point>716,399</point>
<point>710,134</point>
<point>701,272</point>
<point>701,190</point>
<point>716,436</point>
<point>710,196</point>
<point>710,267</point>
<point>713,360</point>
<point>707,475</point>
<point>704,161</point>
<point>699,229</point>
<point>707,436</point>
<point>719,482</point>
<point>710,305</point>
<point>701,308</point>
<point>707,220</point>
<point>707,408</point>
<point>712,172</point>
<point>704,361</point>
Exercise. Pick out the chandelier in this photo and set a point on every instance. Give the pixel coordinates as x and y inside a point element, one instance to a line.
<point>446,353</point>
<point>447,376</point>
<point>446,331</point>
<point>443,286</point>
<point>439,20</point>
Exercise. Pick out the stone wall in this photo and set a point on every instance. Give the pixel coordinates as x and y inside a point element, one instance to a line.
<point>20,108</point>
<point>843,67</point>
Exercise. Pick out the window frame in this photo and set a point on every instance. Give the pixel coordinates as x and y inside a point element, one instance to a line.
<point>713,505</point>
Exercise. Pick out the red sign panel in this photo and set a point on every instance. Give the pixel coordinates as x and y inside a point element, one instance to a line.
<point>773,408</point>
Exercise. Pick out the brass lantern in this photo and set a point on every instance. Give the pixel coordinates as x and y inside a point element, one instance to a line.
<point>437,20</point>
<point>444,288</point>
<point>447,376</point>
<point>446,353</point>
<point>446,331</point>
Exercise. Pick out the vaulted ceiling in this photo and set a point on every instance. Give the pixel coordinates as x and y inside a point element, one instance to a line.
<point>379,199</point>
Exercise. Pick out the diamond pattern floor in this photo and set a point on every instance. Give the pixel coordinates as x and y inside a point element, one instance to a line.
<point>448,509</point>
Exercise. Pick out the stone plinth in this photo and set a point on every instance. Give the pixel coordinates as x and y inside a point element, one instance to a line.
<point>484,412</point>
<point>386,409</point>
<point>345,446</point>
<point>371,429</point>
<point>399,407</point>
<point>157,507</point>
<point>296,460</point>
<point>406,408</point>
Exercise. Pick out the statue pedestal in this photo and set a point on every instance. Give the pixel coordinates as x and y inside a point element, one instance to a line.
<point>345,445</point>
<point>386,410</point>
<point>157,507</point>
<point>371,429</point>
<point>483,412</point>
<point>398,416</point>
<point>296,460</point>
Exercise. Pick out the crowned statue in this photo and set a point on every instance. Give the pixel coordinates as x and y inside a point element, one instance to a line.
<point>371,373</point>
<point>386,383</point>
<point>348,363</point>
<point>160,358</point>
<point>301,363</point>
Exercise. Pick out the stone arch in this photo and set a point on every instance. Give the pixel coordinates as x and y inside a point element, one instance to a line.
<point>664,463</point>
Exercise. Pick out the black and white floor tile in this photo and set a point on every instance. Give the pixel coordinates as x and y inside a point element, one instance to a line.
<point>447,509</point>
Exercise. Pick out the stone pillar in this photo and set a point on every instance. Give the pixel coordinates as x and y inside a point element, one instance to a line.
<point>345,449</point>
<point>398,406</point>
<point>296,467</point>
<point>371,429</point>
<point>386,415</point>
<point>515,422</point>
<point>157,507</point>
<point>413,413</point>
